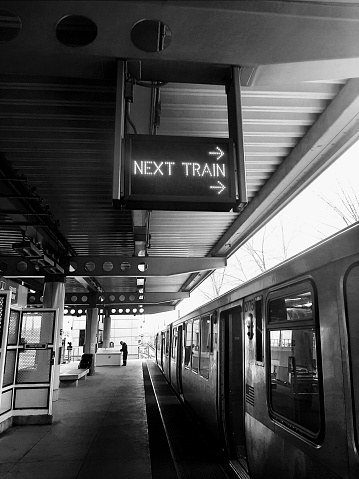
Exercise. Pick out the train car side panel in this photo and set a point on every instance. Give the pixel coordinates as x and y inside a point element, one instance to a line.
<point>290,385</point>
<point>294,421</point>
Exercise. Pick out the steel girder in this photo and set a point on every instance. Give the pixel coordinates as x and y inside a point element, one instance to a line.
<point>111,266</point>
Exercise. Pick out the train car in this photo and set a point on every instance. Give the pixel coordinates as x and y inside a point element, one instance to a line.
<point>271,368</point>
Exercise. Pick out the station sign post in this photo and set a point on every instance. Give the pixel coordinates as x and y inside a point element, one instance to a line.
<point>161,172</point>
<point>179,173</point>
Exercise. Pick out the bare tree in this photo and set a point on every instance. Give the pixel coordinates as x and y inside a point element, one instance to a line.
<point>223,280</point>
<point>347,207</point>
<point>254,258</point>
<point>213,290</point>
<point>257,253</point>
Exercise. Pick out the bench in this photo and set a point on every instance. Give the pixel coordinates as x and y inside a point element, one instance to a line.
<point>71,378</point>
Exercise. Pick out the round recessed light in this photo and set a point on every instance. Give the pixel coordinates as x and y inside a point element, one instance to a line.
<point>76,31</point>
<point>151,36</point>
<point>10,25</point>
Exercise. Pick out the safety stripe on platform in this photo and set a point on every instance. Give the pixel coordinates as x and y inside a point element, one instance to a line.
<point>193,456</point>
<point>162,465</point>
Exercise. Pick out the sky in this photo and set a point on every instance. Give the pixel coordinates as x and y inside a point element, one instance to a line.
<point>307,220</point>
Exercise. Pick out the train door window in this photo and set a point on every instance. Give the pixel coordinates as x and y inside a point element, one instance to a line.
<point>167,340</point>
<point>158,346</point>
<point>82,335</point>
<point>188,343</point>
<point>352,307</point>
<point>163,337</point>
<point>294,385</point>
<point>259,328</point>
<point>206,341</point>
<point>195,346</point>
<point>174,343</point>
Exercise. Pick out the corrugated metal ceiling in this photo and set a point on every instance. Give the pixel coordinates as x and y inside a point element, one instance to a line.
<point>60,135</point>
<point>275,118</point>
<point>58,117</point>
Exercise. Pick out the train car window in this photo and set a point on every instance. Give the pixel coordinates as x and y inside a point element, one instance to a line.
<point>352,307</point>
<point>195,346</point>
<point>188,343</point>
<point>296,307</point>
<point>174,342</point>
<point>294,386</point>
<point>259,328</point>
<point>206,341</point>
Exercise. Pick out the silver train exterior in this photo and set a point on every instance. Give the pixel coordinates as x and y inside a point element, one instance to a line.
<point>271,369</point>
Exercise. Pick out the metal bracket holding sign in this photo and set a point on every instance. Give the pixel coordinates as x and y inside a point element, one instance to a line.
<point>176,172</point>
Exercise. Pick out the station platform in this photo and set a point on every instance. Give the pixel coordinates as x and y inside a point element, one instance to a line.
<point>122,422</point>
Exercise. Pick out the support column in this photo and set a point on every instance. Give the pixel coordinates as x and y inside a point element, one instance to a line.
<point>106,329</point>
<point>91,334</point>
<point>54,297</point>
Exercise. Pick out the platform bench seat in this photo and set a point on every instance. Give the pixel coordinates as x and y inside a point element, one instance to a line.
<point>71,378</point>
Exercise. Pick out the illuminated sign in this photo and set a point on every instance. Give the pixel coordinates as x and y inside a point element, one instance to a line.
<point>163,172</point>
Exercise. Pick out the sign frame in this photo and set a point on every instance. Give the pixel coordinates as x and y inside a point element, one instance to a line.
<point>186,201</point>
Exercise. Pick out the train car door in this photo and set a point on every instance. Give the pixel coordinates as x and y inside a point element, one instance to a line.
<point>254,380</point>
<point>231,386</point>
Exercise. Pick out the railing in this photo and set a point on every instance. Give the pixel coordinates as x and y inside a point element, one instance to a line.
<point>282,343</point>
<point>147,351</point>
<point>74,355</point>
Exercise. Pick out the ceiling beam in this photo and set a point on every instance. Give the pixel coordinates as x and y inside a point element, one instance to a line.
<point>253,33</point>
<point>113,266</point>
<point>146,309</point>
<point>113,298</point>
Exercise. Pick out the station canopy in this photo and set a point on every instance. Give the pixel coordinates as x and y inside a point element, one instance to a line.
<point>65,118</point>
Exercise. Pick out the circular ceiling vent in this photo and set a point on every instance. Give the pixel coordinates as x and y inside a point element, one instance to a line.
<point>76,31</point>
<point>10,25</point>
<point>151,36</point>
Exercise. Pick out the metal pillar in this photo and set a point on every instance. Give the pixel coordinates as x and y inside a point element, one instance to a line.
<point>91,334</point>
<point>106,330</point>
<point>54,297</point>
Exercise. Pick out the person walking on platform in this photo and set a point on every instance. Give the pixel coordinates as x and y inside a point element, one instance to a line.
<point>124,352</point>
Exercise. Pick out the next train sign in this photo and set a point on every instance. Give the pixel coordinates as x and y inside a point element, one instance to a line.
<point>164,172</point>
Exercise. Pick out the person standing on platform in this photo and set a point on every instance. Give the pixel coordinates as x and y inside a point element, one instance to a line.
<point>124,352</point>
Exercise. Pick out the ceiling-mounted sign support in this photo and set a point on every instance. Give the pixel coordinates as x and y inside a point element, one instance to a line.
<point>118,178</point>
<point>154,172</point>
<point>234,107</point>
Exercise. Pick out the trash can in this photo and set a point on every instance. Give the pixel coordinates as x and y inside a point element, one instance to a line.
<point>87,362</point>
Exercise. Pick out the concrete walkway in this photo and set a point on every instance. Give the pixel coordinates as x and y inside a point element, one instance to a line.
<point>99,431</point>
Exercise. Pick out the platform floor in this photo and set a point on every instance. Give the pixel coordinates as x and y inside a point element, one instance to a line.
<point>122,422</point>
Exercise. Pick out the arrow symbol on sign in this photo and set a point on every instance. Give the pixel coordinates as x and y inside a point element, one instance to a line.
<point>219,153</point>
<point>221,187</point>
